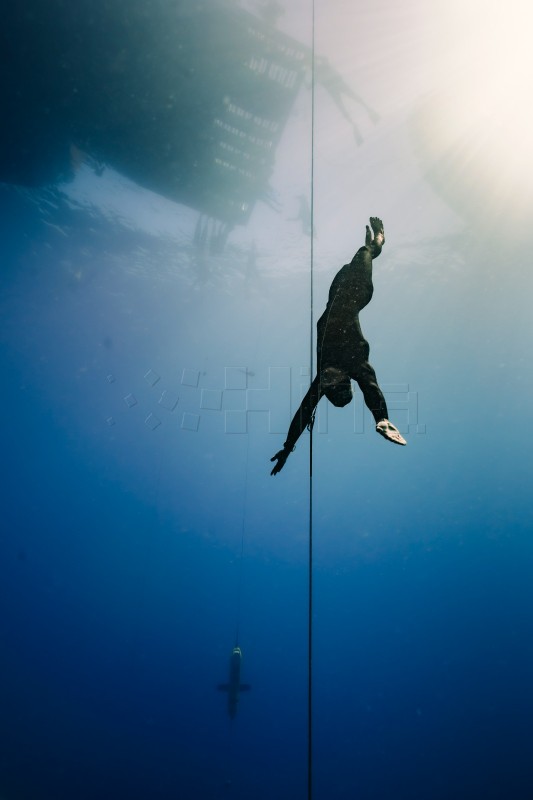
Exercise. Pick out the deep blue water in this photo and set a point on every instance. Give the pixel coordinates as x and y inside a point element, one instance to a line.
<point>149,376</point>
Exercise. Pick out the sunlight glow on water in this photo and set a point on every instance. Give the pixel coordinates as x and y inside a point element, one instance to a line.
<point>479,119</point>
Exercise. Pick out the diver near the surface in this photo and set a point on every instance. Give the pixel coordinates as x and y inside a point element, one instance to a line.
<point>303,216</point>
<point>342,350</point>
<point>337,89</point>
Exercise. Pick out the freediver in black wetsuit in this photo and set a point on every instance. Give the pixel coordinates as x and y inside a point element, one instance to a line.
<point>342,350</point>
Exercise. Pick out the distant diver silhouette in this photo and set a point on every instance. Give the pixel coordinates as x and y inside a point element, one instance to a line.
<point>337,88</point>
<point>304,215</point>
<point>342,350</point>
<point>234,686</point>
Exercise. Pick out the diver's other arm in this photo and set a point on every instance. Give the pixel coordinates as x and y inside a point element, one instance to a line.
<point>299,423</point>
<point>280,459</point>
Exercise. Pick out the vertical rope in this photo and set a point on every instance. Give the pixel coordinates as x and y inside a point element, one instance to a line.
<point>310,589</point>
<point>243,531</point>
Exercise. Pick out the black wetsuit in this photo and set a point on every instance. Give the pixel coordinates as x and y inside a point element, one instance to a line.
<point>340,340</point>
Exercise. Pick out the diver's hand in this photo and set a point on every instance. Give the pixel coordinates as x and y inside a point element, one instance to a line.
<point>377,227</point>
<point>281,457</point>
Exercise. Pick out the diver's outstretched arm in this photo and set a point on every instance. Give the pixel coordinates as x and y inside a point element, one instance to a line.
<point>299,423</point>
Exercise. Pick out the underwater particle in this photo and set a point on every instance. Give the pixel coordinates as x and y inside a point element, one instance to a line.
<point>110,421</point>
<point>169,400</point>
<point>110,378</point>
<point>190,377</point>
<point>211,399</point>
<point>190,422</point>
<point>151,377</point>
<point>152,421</point>
<point>130,400</point>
